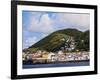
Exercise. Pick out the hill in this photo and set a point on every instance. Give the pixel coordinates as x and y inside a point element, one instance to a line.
<point>61,39</point>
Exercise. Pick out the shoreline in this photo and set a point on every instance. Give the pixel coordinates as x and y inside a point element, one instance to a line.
<point>57,64</point>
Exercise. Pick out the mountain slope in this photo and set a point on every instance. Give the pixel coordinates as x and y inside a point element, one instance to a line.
<point>54,41</point>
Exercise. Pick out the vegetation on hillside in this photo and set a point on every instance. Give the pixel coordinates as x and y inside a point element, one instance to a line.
<point>54,42</point>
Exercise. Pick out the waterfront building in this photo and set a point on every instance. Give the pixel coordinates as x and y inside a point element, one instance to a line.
<point>52,57</point>
<point>61,56</point>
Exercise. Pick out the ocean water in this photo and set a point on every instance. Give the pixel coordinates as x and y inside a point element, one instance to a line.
<point>64,64</point>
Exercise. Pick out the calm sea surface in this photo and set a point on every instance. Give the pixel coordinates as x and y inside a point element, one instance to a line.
<point>65,64</point>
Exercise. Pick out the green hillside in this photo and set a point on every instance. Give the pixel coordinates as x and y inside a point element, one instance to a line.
<point>54,42</point>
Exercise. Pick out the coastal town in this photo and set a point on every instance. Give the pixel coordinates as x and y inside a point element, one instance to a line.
<point>50,57</point>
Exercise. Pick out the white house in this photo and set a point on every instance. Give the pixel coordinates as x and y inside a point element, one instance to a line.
<point>52,57</point>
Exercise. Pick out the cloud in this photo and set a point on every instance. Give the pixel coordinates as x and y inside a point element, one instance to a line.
<point>71,20</point>
<point>30,41</point>
<point>44,35</point>
<point>41,24</point>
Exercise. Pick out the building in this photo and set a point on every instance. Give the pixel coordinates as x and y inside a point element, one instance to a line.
<point>61,56</point>
<point>52,57</point>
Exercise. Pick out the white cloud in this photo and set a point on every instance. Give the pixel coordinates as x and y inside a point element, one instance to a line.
<point>78,21</point>
<point>30,41</point>
<point>43,25</point>
<point>44,35</point>
<point>41,22</point>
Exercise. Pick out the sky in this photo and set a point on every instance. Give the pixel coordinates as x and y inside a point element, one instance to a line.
<point>37,25</point>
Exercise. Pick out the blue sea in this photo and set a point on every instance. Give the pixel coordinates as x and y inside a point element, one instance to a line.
<point>64,64</point>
